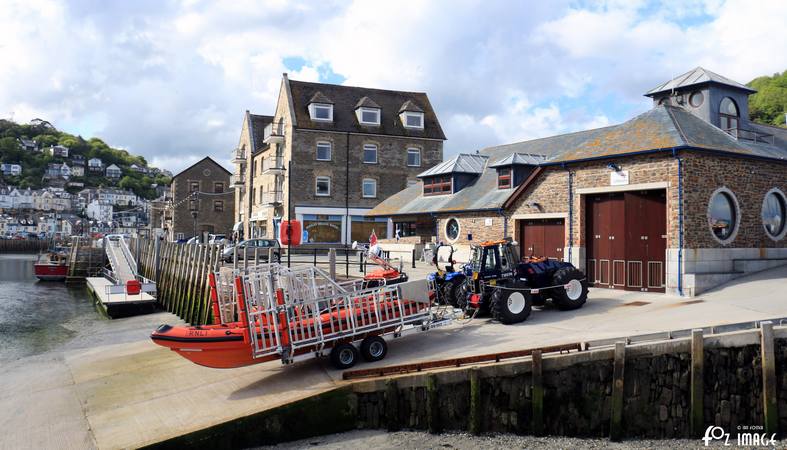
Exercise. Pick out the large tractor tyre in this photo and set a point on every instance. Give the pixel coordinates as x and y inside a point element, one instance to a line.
<point>373,348</point>
<point>511,305</point>
<point>461,296</point>
<point>344,356</point>
<point>452,291</point>
<point>572,288</point>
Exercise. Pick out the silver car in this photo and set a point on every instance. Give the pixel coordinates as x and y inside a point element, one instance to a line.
<point>247,248</point>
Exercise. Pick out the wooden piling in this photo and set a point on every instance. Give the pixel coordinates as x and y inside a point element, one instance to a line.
<point>392,405</point>
<point>474,422</point>
<point>432,404</point>
<point>616,417</point>
<point>537,394</point>
<point>697,384</point>
<point>770,393</point>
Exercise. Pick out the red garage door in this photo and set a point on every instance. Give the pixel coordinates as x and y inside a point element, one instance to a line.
<point>542,237</point>
<point>626,240</point>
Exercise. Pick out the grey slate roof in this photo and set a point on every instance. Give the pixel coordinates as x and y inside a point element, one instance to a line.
<point>344,99</point>
<point>257,125</point>
<point>662,128</point>
<point>319,97</point>
<point>410,106</point>
<point>461,163</point>
<point>519,159</point>
<point>698,75</point>
<point>366,102</point>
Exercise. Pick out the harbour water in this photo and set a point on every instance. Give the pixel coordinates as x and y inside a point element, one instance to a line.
<point>35,316</point>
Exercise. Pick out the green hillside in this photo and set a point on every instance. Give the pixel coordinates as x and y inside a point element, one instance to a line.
<point>34,164</point>
<point>769,104</point>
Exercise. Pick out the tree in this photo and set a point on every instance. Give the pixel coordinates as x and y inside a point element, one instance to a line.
<point>769,104</point>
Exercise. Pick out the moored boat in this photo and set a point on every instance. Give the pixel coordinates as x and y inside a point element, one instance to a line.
<point>51,266</point>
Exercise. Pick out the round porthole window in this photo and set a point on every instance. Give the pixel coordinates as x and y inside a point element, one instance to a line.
<point>206,172</point>
<point>723,215</point>
<point>452,229</point>
<point>696,99</point>
<point>774,213</point>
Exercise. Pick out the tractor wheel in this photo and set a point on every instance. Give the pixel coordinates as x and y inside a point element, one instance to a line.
<point>451,292</point>
<point>373,348</point>
<point>510,305</point>
<point>461,296</point>
<point>572,290</point>
<point>344,356</point>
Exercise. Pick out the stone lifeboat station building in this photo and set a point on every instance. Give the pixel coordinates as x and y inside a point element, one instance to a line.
<point>681,198</point>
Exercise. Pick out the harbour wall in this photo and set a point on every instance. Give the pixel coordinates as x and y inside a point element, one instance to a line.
<point>667,389</point>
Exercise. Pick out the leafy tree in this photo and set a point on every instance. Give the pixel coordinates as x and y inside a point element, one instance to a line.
<point>769,104</point>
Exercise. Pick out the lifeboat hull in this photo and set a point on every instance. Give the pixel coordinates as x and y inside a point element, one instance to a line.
<point>217,346</point>
<point>50,272</point>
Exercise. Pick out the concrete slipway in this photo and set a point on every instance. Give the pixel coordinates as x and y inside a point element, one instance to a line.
<point>128,392</point>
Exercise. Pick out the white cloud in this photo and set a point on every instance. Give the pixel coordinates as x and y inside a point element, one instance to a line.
<point>171,80</point>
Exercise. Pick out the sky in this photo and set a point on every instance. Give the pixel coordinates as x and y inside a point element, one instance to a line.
<point>171,80</point>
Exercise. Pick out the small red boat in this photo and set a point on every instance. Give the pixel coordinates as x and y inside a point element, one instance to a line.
<point>51,266</point>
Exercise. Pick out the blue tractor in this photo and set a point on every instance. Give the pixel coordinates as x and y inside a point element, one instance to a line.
<point>498,282</point>
<point>445,285</point>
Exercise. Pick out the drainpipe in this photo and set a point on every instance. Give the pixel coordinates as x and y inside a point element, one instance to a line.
<point>505,222</point>
<point>570,212</point>
<point>680,221</point>
<point>436,228</point>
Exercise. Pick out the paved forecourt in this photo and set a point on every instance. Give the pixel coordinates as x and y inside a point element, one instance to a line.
<point>112,394</point>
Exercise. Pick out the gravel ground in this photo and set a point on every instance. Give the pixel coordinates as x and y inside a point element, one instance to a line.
<point>376,439</point>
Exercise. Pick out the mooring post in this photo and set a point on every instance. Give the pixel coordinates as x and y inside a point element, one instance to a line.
<point>474,425</point>
<point>537,394</point>
<point>432,404</point>
<point>770,410</point>
<point>392,405</point>
<point>235,257</point>
<point>332,262</point>
<point>697,384</point>
<point>616,417</point>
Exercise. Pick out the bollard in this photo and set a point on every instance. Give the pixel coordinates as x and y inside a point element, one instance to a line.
<point>235,257</point>
<point>412,261</point>
<point>770,391</point>
<point>616,418</point>
<point>697,386</point>
<point>270,255</point>
<point>256,255</point>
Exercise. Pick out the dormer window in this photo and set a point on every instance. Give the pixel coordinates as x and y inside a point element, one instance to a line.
<point>321,112</point>
<point>504,178</point>
<point>438,185</point>
<point>368,116</point>
<point>413,120</point>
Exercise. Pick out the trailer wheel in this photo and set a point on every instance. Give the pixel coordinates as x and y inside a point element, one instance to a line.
<point>344,356</point>
<point>373,348</point>
<point>510,305</point>
<point>572,292</point>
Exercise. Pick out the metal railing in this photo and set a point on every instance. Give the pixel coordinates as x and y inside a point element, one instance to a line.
<point>272,197</point>
<point>236,181</point>
<point>272,163</point>
<point>239,156</point>
<point>273,131</point>
<point>750,135</point>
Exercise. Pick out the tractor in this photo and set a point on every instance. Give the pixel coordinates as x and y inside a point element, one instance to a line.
<point>508,288</point>
<point>446,283</point>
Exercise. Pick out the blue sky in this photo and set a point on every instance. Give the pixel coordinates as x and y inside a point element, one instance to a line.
<point>170,80</point>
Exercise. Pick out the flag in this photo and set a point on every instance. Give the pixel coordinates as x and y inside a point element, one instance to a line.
<point>372,239</point>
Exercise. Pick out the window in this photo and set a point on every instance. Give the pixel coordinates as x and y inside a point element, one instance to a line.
<point>322,186</point>
<point>180,236</point>
<point>321,112</point>
<point>218,188</point>
<point>368,116</point>
<point>413,119</point>
<point>262,196</point>
<point>253,196</point>
<point>504,178</point>
<point>437,185</point>
<point>218,205</point>
<point>774,213</point>
<point>370,154</point>
<point>414,157</point>
<point>728,114</point>
<point>404,229</point>
<point>452,229</point>
<point>323,151</point>
<point>369,188</point>
<point>696,99</point>
<point>723,215</point>
<point>193,205</point>
<point>193,186</point>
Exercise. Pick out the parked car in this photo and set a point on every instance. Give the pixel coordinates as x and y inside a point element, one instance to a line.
<point>212,239</point>
<point>246,249</point>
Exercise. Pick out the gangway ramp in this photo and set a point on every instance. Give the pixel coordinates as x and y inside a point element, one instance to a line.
<point>124,268</point>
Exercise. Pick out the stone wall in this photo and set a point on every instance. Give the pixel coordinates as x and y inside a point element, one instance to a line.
<point>207,174</point>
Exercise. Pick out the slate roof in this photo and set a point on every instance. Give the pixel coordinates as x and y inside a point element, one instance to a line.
<point>410,106</point>
<point>257,126</point>
<point>519,159</point>
<point>660,129</point>
<point>345,99</point>
<point>696,76</point>
<point>366,102</point>
<point>461,163</point>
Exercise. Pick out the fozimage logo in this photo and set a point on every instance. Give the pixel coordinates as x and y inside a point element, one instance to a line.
<point>751,436</point>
